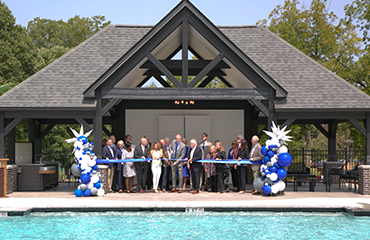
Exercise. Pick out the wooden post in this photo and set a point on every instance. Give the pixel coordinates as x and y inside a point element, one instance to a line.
<point>98,126</point>
<point>332,142</point>
<point>367,138</point>
<point>3,173</point>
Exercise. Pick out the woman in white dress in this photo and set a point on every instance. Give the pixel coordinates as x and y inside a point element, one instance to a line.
<point>156,153</point>
<point>128,167</point>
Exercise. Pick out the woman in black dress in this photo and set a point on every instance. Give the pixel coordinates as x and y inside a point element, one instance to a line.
<point>220,167</point>
<point>242,168</point>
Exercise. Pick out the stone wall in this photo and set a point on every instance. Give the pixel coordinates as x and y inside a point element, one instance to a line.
<point>327,166</point>
<point>103,169</point>
<point>12,178</point>
<point>364,179</point>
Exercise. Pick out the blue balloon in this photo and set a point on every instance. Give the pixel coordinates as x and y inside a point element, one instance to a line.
<point>78,192</point>
<point>284,159</point>
<point>273,169</point>
<point>277,165</point>
<point>85,178</point>
<point>281,172</point>
<point>264,150</point>
<point>95,167</point>
<point>97,185</point>
<point>83,139</point>
<point>266,189</point>
<point>87,193</point>
<point>266,159</point>
<point>270,154</point>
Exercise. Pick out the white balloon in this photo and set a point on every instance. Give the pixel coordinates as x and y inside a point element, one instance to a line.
<point>282,149</point>
<point>274,188</point>
<point>273,176</point>
<point>274,159</point>
<point>90,185</point>
<point>85,159</point>
<point>78,154</point>
<point>77,145</point>
<point>92,163</point>
<point>281,185</point>
<point>268,143</point>
<point>101,192</point>
<point>95,178</point>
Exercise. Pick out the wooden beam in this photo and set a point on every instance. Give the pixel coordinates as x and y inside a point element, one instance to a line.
<point>182,94</point>
<point>271,117</point>
<point>11,125</point>
<point>322,130</point>
<point>358,126</point>
<point>164,70</point>
<point>173,65</point>
<point>84,123</point>
<point>205,82</point>
<point>47,130</point>
<point>185,48</point>
<point>106,131</point>
<point>206,70</point>
<point>2,135</point>
<point>261,107</point>
<point>109,106</point>
<point>98,125</point>
<point>367,123</point>
<point>162,81</point>
<point>287,122</point>
<point>332,141</point>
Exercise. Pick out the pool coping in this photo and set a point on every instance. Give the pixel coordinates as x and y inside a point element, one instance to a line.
<point>354,211</point>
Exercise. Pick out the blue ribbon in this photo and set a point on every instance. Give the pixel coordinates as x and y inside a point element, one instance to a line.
<point>226,161</point>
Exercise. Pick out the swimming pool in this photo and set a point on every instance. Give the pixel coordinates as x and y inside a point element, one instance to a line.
<point>182,225</point>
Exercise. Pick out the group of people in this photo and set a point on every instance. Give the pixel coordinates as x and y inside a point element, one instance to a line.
<point>181,161</point>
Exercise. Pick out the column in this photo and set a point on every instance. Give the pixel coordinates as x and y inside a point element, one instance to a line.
<point>2,135</point>
<point>98,126</point>
<point>332,141</point>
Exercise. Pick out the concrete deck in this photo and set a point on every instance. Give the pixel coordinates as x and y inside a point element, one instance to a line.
<point>62,198</point>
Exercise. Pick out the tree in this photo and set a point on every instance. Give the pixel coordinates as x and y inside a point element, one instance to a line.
<point>333,42</point>
<point>47,33</point>
<point>359,12</point>
<point>17,53</point>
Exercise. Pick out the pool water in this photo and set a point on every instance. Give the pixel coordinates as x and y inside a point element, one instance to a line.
<point>183,225</point>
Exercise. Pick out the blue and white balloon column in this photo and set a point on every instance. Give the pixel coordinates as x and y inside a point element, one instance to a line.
<point>85,167</point>
<point>276,160</point>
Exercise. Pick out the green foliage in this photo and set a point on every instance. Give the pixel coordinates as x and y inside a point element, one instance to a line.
<point>334,43</point>
<point>47,33</point>
<point>359,12</point>
<point>17,53</point>
<point>4,88</point>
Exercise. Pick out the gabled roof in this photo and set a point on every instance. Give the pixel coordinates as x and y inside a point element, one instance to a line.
<point>309,84</point>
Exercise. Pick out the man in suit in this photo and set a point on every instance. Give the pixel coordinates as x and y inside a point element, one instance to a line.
<point>115,186</point>
<point>167,153</point>
<point>195,154</point>
<point>205,145</point>
<point>142,168</point>
<point>178,149</point>
<point>109,153</point>
<point>255,155</point>
<point>121,182</point>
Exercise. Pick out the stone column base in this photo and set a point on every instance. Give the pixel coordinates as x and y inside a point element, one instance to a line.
<point>103,169</point>
<point>327,165</point>
<point>12,178</point>
<point>364,179</point>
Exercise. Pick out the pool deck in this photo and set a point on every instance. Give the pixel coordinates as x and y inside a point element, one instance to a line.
<point>62,198</point>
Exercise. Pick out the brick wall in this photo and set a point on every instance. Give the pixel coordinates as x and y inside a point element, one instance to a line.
<point>364,179</point>
<point>12,178</point>
<point>103,169</point>
<point>327,165</point>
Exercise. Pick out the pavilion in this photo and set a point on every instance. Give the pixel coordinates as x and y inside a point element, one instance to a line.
<point>100,82</point>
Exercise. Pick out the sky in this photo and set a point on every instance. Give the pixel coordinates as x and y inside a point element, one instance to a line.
<point>150,12</point>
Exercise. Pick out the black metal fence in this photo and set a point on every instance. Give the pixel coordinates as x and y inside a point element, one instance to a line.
<point>315,158</point>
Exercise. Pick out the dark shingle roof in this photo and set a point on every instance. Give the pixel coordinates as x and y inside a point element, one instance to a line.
<point>62,83</point>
